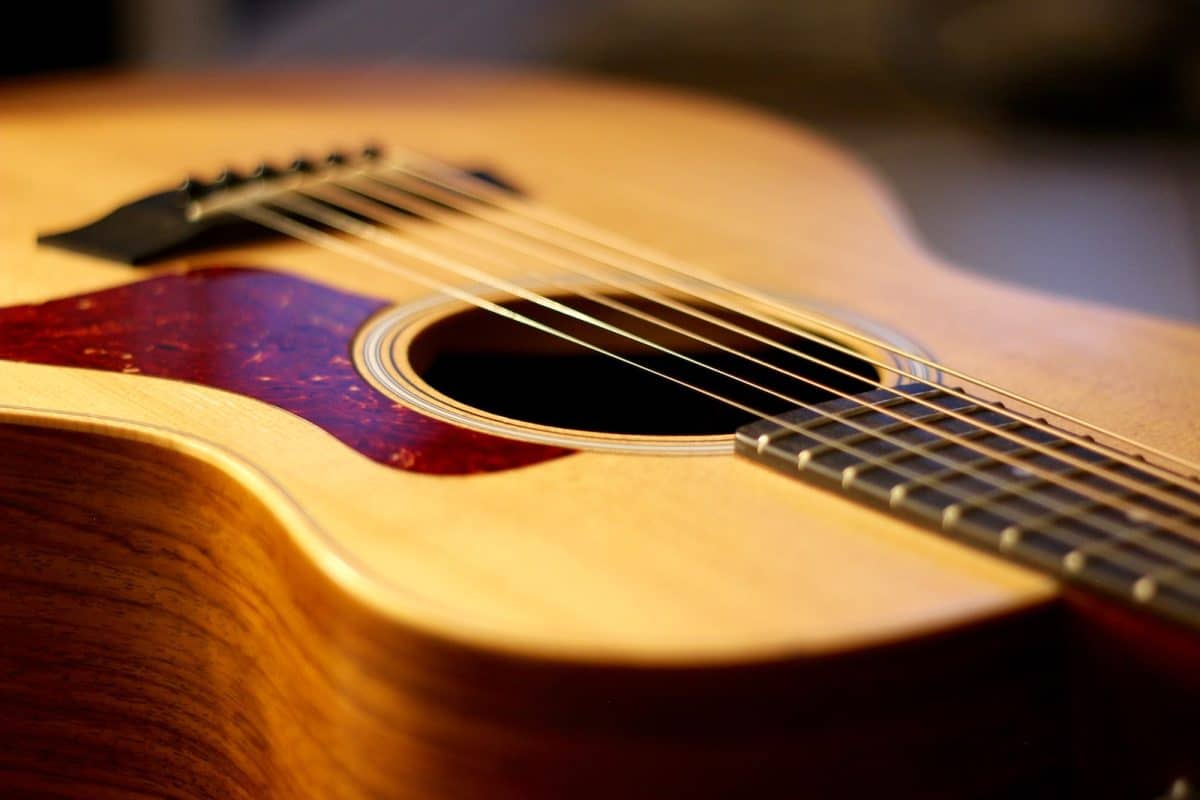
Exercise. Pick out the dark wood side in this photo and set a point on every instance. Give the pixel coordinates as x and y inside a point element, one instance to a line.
<point>1134,684</point>
<point>161,636</point>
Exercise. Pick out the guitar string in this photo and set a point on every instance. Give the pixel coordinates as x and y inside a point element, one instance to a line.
<point>423,208</point>
<point>488,194</point>
<point>1142,487</point>
<point>313,235</point>
<point>1140,464</point>
<point>427,212</point>
<point>326,214</point>
<point>1053,476</point>
<point>383,214</point>
<point>1044,425</point>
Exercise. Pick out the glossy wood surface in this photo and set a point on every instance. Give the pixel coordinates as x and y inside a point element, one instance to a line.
<point>164,637</point>
<point>413,605</point>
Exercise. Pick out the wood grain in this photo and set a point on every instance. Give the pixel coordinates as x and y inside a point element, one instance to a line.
<point>164,637</point>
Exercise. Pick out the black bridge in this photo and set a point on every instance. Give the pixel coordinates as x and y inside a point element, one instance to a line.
<point>158,226</point>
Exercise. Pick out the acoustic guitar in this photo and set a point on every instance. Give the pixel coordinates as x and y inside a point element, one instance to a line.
<point>473,434</point>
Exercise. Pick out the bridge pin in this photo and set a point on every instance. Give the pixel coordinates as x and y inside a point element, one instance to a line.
<point>264,171</point>
<point>227,179</point>
<point>194,188</point>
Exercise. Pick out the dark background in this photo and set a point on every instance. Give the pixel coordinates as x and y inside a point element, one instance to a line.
<point>1049,142</point>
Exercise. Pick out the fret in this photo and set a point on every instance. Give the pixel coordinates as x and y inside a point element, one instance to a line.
<point>880,438</point>
<point>992,490</point>
<point>1161,553</point>
<point>1133,513</point>
<point>1173,554</point>
<point>944,443</point>
<point>990,478</point>
<point>1021,488</point>
<point>870,434</point>
<point>899,491</point>
<point>1181,565</point>
<point>1108,509</point>
<point>809,434</point>
<point>1056,551</point>
<point>1145,480</point>
<point>962,449</point>
<point>836,412</point>
<point>849,408</point>
<point>1091,506</point>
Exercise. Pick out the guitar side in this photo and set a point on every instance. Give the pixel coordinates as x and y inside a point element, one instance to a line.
<point>366,629</point>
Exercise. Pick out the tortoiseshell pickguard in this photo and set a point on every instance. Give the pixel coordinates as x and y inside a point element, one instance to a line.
<point>262,334</point>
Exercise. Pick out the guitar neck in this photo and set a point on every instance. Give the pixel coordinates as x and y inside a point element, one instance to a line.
<point>1004,483</point>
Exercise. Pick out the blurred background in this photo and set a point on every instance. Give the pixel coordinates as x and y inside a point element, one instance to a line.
<point>1054,143</point>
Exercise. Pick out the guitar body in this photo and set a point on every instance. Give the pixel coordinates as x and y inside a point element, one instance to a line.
<point>212,589</point>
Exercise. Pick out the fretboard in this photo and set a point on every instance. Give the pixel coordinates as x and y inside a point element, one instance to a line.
<point>996,480</point>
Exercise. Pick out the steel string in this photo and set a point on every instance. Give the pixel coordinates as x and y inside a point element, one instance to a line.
<point>316,236</point>
<point>348,200</point>
<point>490,195</point>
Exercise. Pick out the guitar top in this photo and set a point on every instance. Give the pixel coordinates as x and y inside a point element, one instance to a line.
<point>567,439</point>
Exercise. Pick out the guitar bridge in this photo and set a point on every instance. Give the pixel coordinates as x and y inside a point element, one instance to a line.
<point>190,217</point>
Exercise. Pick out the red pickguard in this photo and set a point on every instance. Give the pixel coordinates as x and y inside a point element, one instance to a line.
<point>261,334</point>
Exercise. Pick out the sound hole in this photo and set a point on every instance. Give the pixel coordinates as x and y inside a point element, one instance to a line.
<point>501,366</point>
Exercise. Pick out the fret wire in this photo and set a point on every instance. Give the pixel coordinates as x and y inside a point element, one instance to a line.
<point>1031,423</point>
<point>927,481</point>
<point>1089,548</point>
<point>942,444</point>
<point>1190,560</point>
<point>1055,516</point>
<point>1146,570</point>
<point>861,436</point>
<point>501,201</point>
<point>1019,490</point>
<point>349,224</point>
<point>489,194</point>
<point>1177,552</point>
<point>856,410</point>
<point>1175,571</point>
